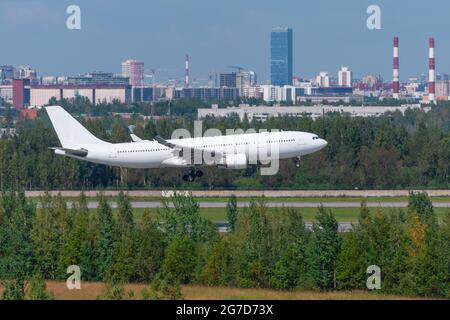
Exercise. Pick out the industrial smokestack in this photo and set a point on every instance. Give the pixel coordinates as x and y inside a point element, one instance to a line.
<point>431,71</point>
<point>395,80</point>
<point>186,71</point>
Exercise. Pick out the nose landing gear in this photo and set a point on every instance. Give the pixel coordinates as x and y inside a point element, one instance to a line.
<point>193,173</point>
<point>297,162</point>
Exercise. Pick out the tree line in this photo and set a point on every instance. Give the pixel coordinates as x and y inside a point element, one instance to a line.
<point>178,246</point>
<point>393,151</point>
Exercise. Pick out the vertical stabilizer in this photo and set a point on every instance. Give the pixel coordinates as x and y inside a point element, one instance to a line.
<point>69,131</point>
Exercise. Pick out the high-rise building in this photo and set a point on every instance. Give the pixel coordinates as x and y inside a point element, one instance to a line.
<point>281,56</point>
<point>26,72</point>
<point>7,72</point>
<point>245,79</point>
<point>98,78</point>
<point>442,88</point>
<point>443,76</point>
<point>323,79</point>
<point>228,80</point>
<point>21,93</point>
<point>206,94</point>
<point>134,70</point>
<point>345,77</point>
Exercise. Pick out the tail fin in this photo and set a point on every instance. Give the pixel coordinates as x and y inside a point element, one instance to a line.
<point>70,132</point>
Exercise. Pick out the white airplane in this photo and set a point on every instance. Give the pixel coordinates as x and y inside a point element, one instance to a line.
<point>230,151</point>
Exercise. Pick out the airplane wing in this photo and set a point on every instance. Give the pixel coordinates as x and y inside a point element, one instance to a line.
<point>179,147</point>
<point>135,138</point>
<point>75,152</point>
<point>166,143</point>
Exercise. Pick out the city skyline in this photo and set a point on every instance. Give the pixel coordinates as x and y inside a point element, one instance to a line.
<point>213,42</point>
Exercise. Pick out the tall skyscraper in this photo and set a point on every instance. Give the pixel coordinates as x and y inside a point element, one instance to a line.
<point>134,70</point>
<point>281,56</point>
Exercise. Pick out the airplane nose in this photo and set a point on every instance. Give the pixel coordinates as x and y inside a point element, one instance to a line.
<point>323,143</point>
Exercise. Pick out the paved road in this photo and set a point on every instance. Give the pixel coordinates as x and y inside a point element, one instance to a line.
<point>222,226</point>
<point>296,204</point>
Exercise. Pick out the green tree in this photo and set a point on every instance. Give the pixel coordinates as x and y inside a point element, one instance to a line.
<point>16,246</point>
<point>123,258</point>
<point>47,237</point>
<point>76,247</point>
<point>422,204</point>
<point>125,219</point>
<point>150,251</point>
<point>37,289</point>
<point>251,246</point>
<point>184,219</point>
<point>353,258</point>
<point>217,268</point>
<point>289,241</point>
<point>325,248</point>
<point>114,291</point>
<point>232,211</point>
<point>106,239</point>
<point>165,287</point>
<point>351,264</point>
<point>180,259</point>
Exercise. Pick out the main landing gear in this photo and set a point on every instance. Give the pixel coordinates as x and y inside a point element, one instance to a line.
<point>297,162</point>
<point>193,173</point>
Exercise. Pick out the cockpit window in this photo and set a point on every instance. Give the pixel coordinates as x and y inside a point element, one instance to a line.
<point>315,137</point>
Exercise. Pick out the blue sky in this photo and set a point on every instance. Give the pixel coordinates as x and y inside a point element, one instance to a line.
<point>327,34</point>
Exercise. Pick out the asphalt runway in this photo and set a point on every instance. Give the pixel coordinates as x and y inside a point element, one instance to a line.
<point>246,193</point>
<point>272,204</point>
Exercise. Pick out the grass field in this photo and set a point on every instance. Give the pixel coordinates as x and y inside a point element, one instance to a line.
<point>91,290</point>
<point>309,214</point>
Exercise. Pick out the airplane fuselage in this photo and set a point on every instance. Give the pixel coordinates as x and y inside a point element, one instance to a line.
<point>152,154</point>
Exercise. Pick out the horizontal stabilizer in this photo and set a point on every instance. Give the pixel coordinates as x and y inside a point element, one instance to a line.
<point>73,152</point>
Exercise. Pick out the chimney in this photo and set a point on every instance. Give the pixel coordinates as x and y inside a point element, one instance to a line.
<point>395,80</point>
<point>431,71</point>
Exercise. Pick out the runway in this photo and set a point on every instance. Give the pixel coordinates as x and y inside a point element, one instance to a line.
<point>245,193</point>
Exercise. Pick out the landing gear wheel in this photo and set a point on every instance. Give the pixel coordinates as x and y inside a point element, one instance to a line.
<point>199,173</point>
<point>193,173</point>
